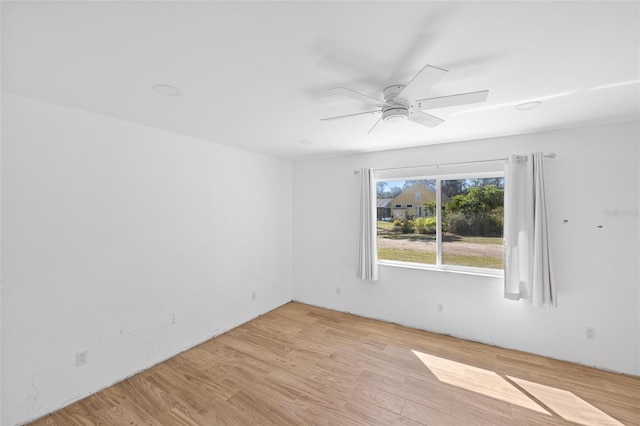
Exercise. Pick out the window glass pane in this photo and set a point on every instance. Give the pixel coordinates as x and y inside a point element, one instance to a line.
<point>407,229</point>
<point>472,218</point>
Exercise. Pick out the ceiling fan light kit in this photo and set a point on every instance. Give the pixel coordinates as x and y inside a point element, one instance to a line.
<point>391,111</point>
<point>403,102</point>
<point>395,114</point>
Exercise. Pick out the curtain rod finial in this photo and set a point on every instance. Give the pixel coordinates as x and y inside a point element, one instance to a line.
<point>551,155</point>
<point>355,172</point>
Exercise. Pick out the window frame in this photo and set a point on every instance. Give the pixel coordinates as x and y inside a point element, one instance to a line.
<point>471,270</point>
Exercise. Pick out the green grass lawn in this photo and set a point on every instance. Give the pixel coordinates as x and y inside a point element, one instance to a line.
<point>387,226</point>
<point>475,240</point>
<point>385,230</point>
<point>474,261</point>
<point>407,255</point>
<point>429,258</point>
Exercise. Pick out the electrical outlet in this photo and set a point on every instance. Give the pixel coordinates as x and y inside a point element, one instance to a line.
<point>440,308</point>
<point>590,333</point>
<point>253,295</point>
<point>82,357</point>
<point>338,290</point>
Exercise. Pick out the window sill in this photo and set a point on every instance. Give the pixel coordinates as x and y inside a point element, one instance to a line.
<point>483,272</point>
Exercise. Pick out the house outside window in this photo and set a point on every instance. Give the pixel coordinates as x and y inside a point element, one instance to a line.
<point>422,190</point>
<point>458,224</point>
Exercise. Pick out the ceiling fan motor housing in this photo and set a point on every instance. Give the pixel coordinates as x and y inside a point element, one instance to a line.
<point>397,111</point>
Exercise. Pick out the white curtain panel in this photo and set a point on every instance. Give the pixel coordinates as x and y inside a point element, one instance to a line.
<point>367,247</point>
<point>527,269</point>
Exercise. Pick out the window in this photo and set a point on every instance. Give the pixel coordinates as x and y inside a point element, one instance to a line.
<point>398,206</point>
<point>457,225</point>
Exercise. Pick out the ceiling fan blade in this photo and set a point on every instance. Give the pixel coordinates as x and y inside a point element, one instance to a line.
<point>350,115</point>
<point>357,95</point>
<point>422,82</point>
<point>374,126</point>
<point>425,119</point>
<point>452,100</point>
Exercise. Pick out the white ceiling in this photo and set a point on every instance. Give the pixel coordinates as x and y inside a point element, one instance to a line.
<point>255,75</point>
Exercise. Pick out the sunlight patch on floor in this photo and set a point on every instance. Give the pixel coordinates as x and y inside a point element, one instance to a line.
<point>567,405</point>
<point>477,380</point>
<point>542,399</point>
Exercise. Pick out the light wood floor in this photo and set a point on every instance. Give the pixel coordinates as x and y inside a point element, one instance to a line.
<point>303,365</point>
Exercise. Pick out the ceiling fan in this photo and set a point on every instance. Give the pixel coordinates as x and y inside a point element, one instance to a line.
<point>409,102</point>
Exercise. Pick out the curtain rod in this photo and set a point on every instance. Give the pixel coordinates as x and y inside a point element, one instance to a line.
<point>551,155</point>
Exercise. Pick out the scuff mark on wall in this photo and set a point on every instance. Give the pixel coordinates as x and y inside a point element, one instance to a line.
<point>35,395</point>
<point>127,335</point>
<point>131,335</point>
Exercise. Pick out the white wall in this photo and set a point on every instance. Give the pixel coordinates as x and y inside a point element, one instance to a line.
<point>0,225</point>
<point>129,242</point>
<point>596,269</point>
<point>135,244</point>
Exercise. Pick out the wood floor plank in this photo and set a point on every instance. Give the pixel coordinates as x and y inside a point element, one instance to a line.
<point>377,415</point>
<point>313,413</point>
<point>152,399</point>
<point>301,364</point>
<point>428,416</point>
<point>261,410</point>
<point>386,400</point>
<point>479,416</point>
<point>182,393</point>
